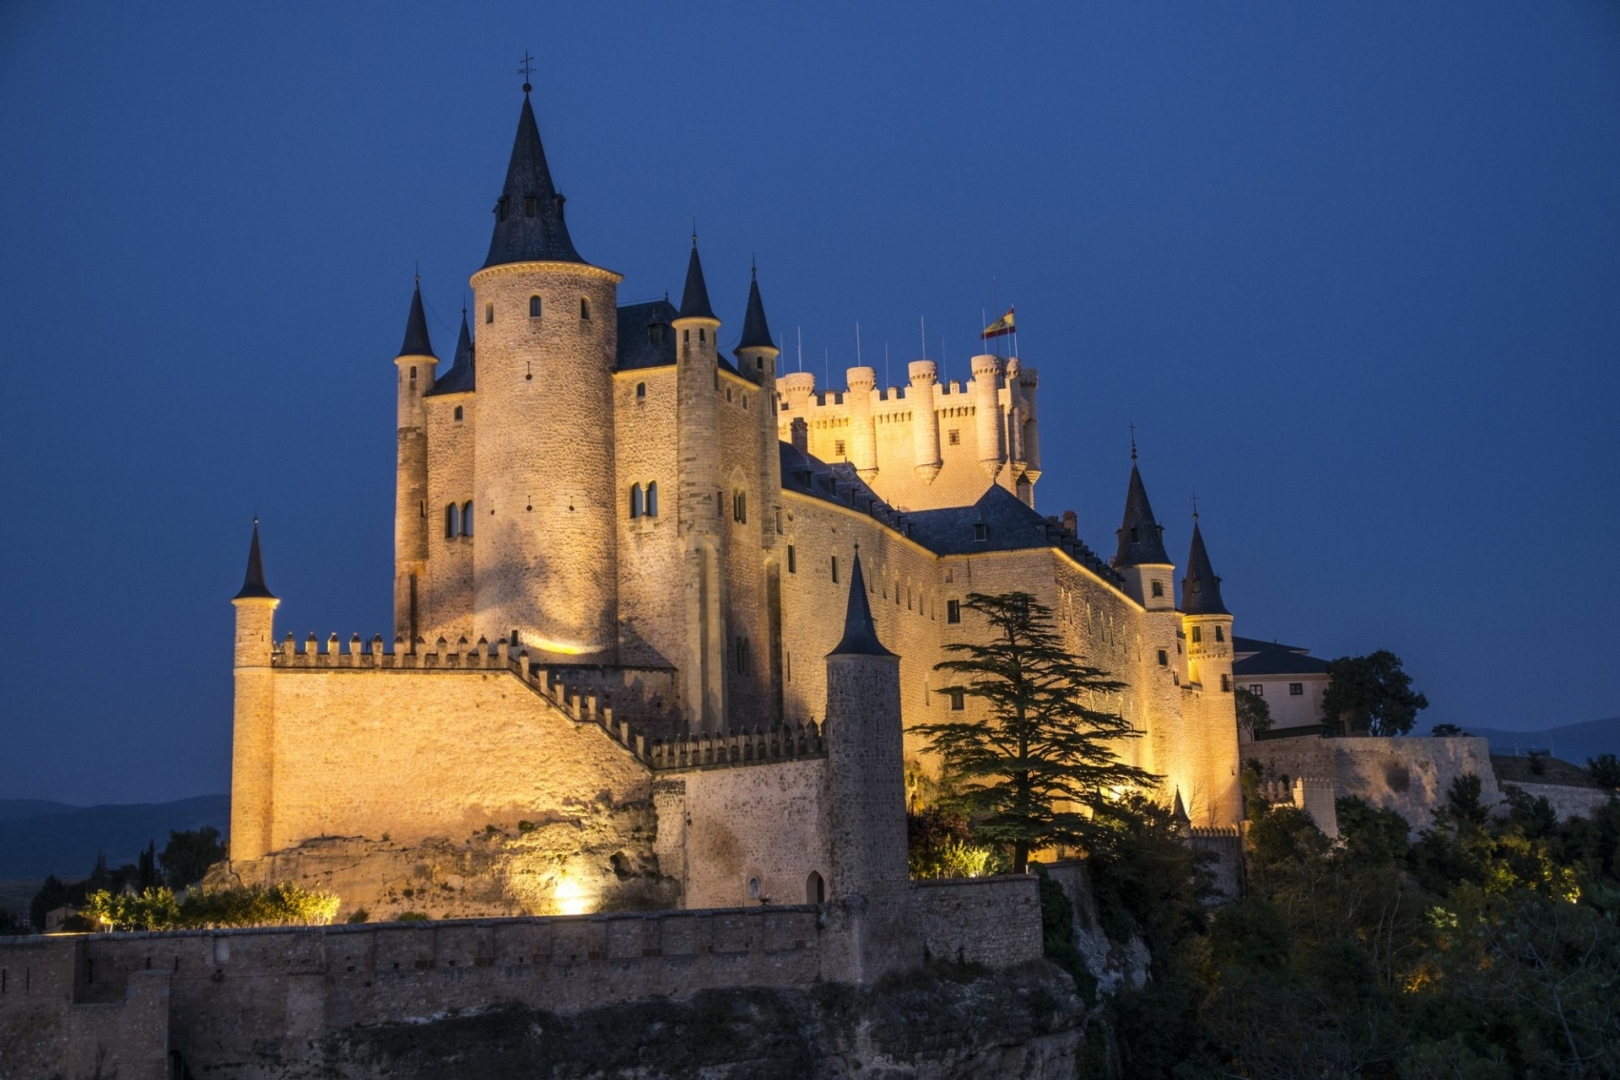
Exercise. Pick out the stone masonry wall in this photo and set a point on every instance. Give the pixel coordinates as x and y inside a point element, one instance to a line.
<point>445,600</point>
<point>652,598</point>
<point>993,921</point>
<point>1408,775</point>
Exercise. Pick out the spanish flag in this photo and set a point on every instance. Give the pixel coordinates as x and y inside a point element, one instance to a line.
<point>1000,328</point>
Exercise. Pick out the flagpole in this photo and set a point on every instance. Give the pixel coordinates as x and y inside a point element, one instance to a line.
<point>801,349</point>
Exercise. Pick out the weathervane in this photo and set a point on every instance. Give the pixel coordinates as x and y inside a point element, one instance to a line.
<point>526,70</point>
<point>1133,440</point>
<point>1193,498</point>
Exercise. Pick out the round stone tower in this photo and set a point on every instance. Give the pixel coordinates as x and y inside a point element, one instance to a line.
<point>543,495</point>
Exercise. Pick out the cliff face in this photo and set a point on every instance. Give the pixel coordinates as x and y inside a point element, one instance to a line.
<point>946,1024</point>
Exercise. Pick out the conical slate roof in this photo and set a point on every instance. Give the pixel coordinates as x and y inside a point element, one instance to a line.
<point>462,376</point>
<point>529,216</point>
<point>1141,540</point>
<point>253,586</point>
<point>1201,589</point>
<point>756,332</point>
<point>695,298</point>
<point>417,342</point>
<point>860,636</point>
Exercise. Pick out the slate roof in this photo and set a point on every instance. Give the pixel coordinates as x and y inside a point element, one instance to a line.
<point>1201,588</point>
<point>529,215</point>
<point>1277,660</point>
<point>1009,524</point>
<point>1141,540</point>
<point>636,347</point>
<point>253,586</point>
<point>1249,645</point>
<point>860,636</point>
<point>417,342</point>
<point>756,332</point>
<point>695,297</point>
<point>462,378</point>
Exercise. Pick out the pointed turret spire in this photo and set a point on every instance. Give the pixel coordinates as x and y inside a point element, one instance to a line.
<point>695,300</point>
<point>860,636</point>
<point>464,345</point>
<point>253,586</point>
<point>1179,814</point>
<point>417,342</point>
<point>529,216</point>
<point>1141,540</point>
<point>756,332</point>
<point>1200,589</point>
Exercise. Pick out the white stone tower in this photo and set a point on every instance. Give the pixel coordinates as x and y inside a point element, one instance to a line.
<point>415,366</point>
<point>544,538</point>
<point>253,732</point>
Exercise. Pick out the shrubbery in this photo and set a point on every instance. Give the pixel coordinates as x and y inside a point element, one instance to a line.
<point>160,909</point>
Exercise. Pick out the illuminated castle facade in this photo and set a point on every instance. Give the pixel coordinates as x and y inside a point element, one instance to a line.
<point>624,558</point>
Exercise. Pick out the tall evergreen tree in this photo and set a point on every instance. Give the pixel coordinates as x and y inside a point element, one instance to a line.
<point>1037,756</point>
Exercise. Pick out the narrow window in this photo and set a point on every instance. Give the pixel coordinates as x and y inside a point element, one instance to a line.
<point>953,611</point>
<point>981,532</point>
<point>1296,689</point>
<point>534,307</point>
<point>451,521</point>
<point>686,337</point>
<point>743,657</point>
<point>778,521</point>
<point>793,561</point>
<point>759,363</point>
<point>728,393</point>
<point>953,437</point>
<point>466,518</point>
<point>1226,683</point>
<point>531,206</point>
<point>838,448</point>
<point>957,698</point>
<point>413,373</point>
<point>700,334</point>
<point>1197,635</point>
<point>641,389</point>
<point>458,414</point>
<point>1220,634</point>
<point>500,209</point>
<point>815,890</point>
<point>753,888</point>
<point>739,507</point>
<point>584,309</point>
<point>719,504</point>
<point>835,569</point>
<point>489,313</point>
<point>1158,588</point>
<point>652,498</point>
<point>635,500</point>
<point>1164,658</point>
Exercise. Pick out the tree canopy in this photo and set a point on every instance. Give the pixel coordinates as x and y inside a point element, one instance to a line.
<point>1370,695</point>
<point>1033,763</point>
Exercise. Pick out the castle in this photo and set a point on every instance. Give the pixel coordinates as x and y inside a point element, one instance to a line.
<point>664,617</point>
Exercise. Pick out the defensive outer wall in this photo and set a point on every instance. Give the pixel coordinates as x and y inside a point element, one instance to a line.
<point>254,1003</point>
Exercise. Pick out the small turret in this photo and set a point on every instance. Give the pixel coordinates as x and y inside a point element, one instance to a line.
<point>415,370</point>
<point>695,297</point>
<point>1141,559</point>
<point>756,359</point>
<point>1201,588</point>
<point>529,214</point>
<point>252,736</point>
<point>1205,621</point>
<point>756,332</point>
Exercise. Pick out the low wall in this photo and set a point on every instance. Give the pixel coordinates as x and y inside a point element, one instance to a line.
<point>1407,775</point>
<point>994,921</point>
<point>1568,801</point>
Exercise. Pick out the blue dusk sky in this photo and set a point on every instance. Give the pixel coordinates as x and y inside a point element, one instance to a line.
<point>1352,270</point>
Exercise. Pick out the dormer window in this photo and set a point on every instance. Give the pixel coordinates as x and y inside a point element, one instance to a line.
<point>1158,588</point>
<point>655,333</point>
<point>531,206</point>
<point>1133,534</point>
<point>500,209</point>
<point>981,532</point>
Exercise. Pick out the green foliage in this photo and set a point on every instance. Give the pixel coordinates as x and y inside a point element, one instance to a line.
<point>412,916</point>
<point>1253,714</point>
<point>159,909</point>
<point>188,855</point>
<point>1446,731</point>
<point>358,915</point>
<point>1057,938</point>
<point>10,925</point>
<point>1463,800</point>
<point>1037,756</point>
<point>941,845</point>
<point>1605,770</point>
<point>1370,695</point>
<point>52,895</point>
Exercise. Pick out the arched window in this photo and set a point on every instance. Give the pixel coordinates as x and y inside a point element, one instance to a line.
<point>534,307</point>
<point>815,889</point>
<point>739,507</point>
<point>466,518</point>
<point>584,308</point>
<point>635,500</point>
<point>641,389</point>
<point>458,414</point>
<point>652,498</point>
<point>451,521</point>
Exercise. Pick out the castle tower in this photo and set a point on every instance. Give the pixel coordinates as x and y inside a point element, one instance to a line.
<point>1205,620</point>
<point>865,766</point>
<point>987,412</point>
<point>756,357</point>
<point>544,546</point>
<point>862,429</point>
<point>414,367</point>
<point>924,419</point>
<point>702,501</point>
<point>1141,559</point>
<point>253,726</point>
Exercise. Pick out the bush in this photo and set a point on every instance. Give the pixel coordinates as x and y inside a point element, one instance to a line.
<point>159,909</point>
<point>941,845</point>
<point>1605,770</point>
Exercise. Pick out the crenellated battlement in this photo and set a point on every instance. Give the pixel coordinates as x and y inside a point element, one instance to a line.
<point>756,745</point>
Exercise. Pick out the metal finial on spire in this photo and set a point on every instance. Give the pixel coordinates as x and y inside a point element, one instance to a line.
<point>1193,498</point>
<point>753,266</point>
<point>526,69</point>
<point>694,232</point>
<point>1133,440</point>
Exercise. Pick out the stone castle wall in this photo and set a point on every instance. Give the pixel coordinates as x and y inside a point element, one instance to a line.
<point>652,600</point>
<point>1408,775</point>
<point>445,597</point>
<point>994,921</point>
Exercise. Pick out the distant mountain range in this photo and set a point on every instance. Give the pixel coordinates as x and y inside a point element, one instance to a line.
<point>38,837</point>
<point>1572,742</point>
